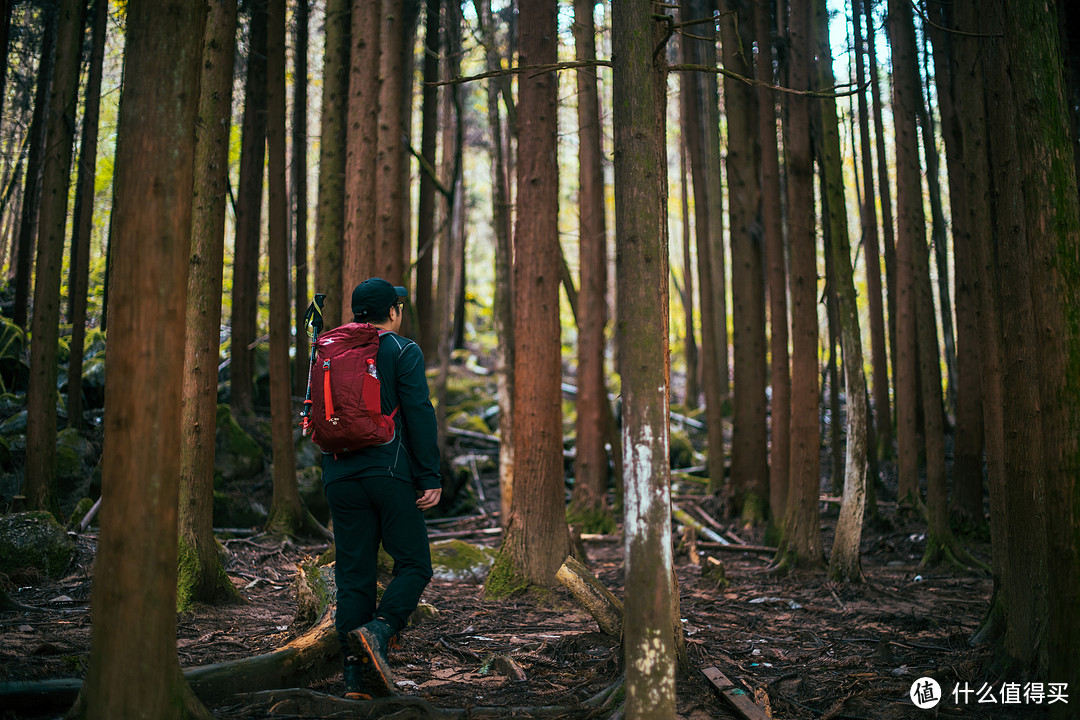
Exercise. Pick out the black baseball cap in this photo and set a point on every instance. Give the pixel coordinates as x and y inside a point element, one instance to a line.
<point>374,296</point>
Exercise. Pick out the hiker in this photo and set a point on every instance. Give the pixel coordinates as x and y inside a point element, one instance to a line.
<point>378,494</point>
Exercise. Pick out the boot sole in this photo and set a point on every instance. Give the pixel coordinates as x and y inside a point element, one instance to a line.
<point>376,672</point>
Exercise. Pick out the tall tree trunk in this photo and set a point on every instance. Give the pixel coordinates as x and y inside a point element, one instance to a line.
<point>704,147</point>
<point>201,576</point>
<point>39,482</point>
<point>776,270</point>
<point>801,545</point>
<point>425,211</point>
<point>888,234</point>
<point>536,539</point>
<point>287,513</point>
<point>138,673</point>
<point>749,443</point>
<point>967,497</point>
<point>641,277</point>
<point>693,367</point>
<point>362,140</point>
<point>32,194</point>
<point>1054,238</point>
<point>502,311</point>
<point>831,375</point>
<point>300,193</point>
<point>872,252</point>
<point>390,243</point>
<point>591,465</point>
<point>844,560</point>
<point>5,37</point>
<point>330,212</point>
<point>245,281</point>
<point>79,263</point>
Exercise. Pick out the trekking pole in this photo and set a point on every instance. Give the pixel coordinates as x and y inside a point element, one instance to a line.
<point>314,318</point>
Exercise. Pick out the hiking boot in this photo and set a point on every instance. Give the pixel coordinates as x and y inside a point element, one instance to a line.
<point>355,687</point>
<point>368,643</point>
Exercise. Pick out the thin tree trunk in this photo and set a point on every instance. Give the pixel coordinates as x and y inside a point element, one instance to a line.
<point>130,673</point>
<point>844,560</point>
<point>536,539</point>
<point>287,513</point>
<point>776,270</point>
<point>299,199</point>
<point>749,484</point>
<point>389,241</point>
<point>32,194</point>
<point>591,465</point>
<point>330,212</point>
<point>201,576</point>
<point>245,281</point>
<point>801,545</point>
<point>831,375</point>
<point>502,312</point>
<point>885,196</point>
<point>79,263</point>
<point>425,214</point>
<point>5,37</point>
<point>693,367</point>
<point>39,482</point>
<point>872,253</point>
<point>362,140</point>
<point>641,278</point>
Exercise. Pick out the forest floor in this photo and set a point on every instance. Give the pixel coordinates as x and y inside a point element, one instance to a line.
<point>814,649</point>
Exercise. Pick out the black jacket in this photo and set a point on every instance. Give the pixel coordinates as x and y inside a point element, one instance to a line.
<point>413,454</point>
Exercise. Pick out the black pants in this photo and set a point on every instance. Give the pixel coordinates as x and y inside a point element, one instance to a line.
<point>365,512</point>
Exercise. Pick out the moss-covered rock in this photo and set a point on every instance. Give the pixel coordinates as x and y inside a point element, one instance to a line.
<point>459,560</point>
<point>309,483</point>
<point>34,540</point>
<point>680,451</point>
<point>237,509</point>
<point>74,453</point>
<point>236,454</point>
<point>15,424</point>
<point>308,453</point>
<point>93,380</point>
<point>316,592</point>
<point>10,404</point>
<point>79,512</point>
<point>468,421</point>
<point>6,460</point>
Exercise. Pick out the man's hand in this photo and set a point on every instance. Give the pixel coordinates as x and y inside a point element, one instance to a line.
<point>429,498</point>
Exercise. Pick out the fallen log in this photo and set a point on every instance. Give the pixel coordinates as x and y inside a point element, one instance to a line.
<point>605,608</point>
<point>736,548</point>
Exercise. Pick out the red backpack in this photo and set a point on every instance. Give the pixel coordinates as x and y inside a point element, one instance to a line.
<point>346,408</point>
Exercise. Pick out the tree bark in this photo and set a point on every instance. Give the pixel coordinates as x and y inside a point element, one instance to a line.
<point>502,308</point>
<point>201,576</point>
<point>362,141</point>
<point>693,366</point>
<point>425,211</point>
<point>591,465</point>
<point>639,84</point>
<point>390,243</point>
<point>79,262</point>
<point>776,270</point>
<point>138,673</point>
<point>39,482</point>
<point>536,538</point>
<point>245,280</point>
<point>801,543</point>
<point>844,560</point>
<point>749,486</point>
<point>287,513</point>
<point>299,199</point>
<point>32,194</point>
<point>330,213</point>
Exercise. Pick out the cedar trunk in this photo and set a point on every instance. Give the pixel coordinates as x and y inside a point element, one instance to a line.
<point>537,539</point>
<point>389,239</point>
<point>591,465</point>
<point>39,484</point>
<point>245,280</point>
<point>299,199</point>
<point>801,545</point>
<point>79,264</point>
<point>138,673</point>
<point>749,443</point>
<point>330,211</point>
<point>361,138</point>
<point>641,269</point>
<point>287,513</point>
<point>425,211</point>
<point>201,575</point>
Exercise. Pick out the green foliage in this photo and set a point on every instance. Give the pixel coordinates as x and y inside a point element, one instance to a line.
<point>504,580</point>
<point>592,520</point>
